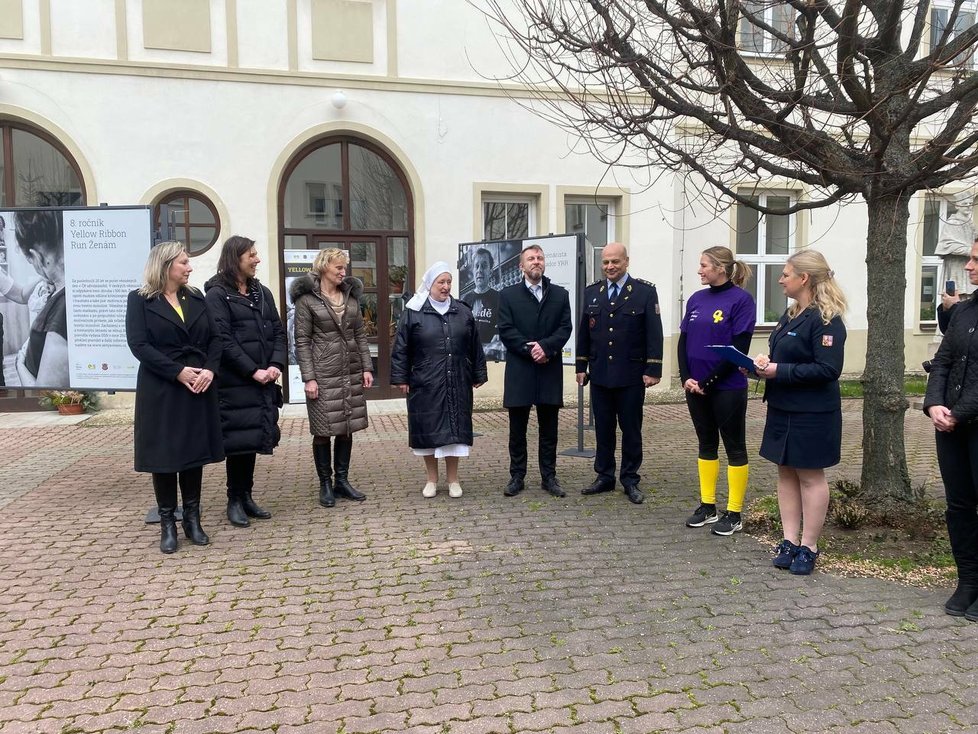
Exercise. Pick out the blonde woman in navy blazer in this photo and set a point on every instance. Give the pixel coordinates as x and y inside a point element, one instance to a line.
<point>803,431</point>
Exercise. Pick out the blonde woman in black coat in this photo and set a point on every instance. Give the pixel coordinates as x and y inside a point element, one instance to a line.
<point>254,356</point>
<point>177,427</point>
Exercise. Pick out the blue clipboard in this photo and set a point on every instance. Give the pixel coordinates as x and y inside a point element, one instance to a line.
<point>732,354</point>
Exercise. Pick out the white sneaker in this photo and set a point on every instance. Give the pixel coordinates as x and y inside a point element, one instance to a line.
<point>455,490</point>
<point>430,490</point>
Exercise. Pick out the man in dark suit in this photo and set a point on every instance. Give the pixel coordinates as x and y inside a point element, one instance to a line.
<point>619,342</point>
<point>534,324</point>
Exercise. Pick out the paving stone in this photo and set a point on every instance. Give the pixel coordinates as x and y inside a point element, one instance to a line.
<point>471,617</point>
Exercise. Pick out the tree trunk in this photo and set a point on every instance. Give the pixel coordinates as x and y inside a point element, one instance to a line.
<point>885,478</point>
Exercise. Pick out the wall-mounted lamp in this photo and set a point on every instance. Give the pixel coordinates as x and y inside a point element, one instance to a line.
<point>338,99</point>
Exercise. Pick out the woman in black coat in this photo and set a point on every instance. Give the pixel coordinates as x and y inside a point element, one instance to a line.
<point>436,361</point>
<point>177,427</point>
<point>951,402</point>
<point>254,356</point>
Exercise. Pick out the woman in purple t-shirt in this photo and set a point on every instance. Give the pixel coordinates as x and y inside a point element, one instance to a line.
<point>716,391</point>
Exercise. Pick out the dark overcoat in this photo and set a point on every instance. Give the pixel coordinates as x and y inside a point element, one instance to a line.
<point>618,343</point>
<point>174,429</point>
<point>440,358</point>
<point>333,352</point>
<point>522,319</point>
<point>253,338</point>
<point>953,379</point>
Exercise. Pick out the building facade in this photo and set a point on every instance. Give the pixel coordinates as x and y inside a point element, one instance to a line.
<point>378,126</point>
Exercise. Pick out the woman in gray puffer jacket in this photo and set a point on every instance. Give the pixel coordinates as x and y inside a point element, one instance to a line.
<point>335,364</point>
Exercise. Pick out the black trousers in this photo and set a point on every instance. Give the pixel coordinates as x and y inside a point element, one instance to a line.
<point>957,455</point>
<point>615,407</point>
<point>716,415</point>
<point>165,487</point>
<point>240,470</point>
<point>519,418</point>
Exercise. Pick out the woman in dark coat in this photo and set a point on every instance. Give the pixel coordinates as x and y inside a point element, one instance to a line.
<point>177,426</point>
<point>254,356</point>
<point>334,360</point>
<point>436,361</point>
<point>951,403</point>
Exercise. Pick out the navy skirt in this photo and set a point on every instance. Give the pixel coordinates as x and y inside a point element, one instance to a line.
<point>802,440</point>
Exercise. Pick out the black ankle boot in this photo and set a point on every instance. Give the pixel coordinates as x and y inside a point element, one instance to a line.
<point>236,513</point>
<point>324,469</point>
<point>341,462</point>
<point>962,598</point>
<point>253,510</point>
<point>191,524</point>
<point>168,530</point>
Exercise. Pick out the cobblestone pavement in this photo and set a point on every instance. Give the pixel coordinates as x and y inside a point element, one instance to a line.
<point>483,614</point>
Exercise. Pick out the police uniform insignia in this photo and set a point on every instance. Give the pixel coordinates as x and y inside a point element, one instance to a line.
<point>628,287</point>
<point>826,340</point>
<point>717,316</point>
<point>592,322</point>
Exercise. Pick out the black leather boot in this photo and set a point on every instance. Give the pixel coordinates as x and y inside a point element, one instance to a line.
<point>253,510</point>
<point>236,513</point>
<point>191,523</point>
<point>168,530</point>
<point>321,455</point>
<point>341,463</point>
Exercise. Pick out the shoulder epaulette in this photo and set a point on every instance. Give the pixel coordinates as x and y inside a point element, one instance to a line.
<point>647,282</point>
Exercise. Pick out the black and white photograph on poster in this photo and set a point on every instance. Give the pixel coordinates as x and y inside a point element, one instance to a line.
<point>298,263</point>
<point>33,310</point>
<point>64,277</point>
<point>484,269</point>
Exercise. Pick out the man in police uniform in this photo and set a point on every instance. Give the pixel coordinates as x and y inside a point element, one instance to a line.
<point>619,342</point>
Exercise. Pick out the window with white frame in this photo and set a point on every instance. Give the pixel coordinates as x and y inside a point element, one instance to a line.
<point>764,243</point>
<point>508,217</point>
<point>940,22</point>
<point>756,17</point>
<point>595,218</point>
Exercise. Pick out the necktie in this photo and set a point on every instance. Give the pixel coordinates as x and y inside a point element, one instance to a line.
<point>613,292</point>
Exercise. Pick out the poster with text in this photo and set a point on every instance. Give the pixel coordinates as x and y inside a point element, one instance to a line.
<point>64,278</point>
<point>297,264</point>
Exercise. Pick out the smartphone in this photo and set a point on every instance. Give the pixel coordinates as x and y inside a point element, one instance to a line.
<point>949,287</point>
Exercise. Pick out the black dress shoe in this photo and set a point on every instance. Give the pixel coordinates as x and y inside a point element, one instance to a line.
<point>634,494</point>
<point>962,598</point>
<point>552,486</point>
<point>598,486</point>
<point>514,487</point>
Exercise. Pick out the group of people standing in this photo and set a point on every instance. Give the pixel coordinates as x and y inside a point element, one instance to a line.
<point>213,360</point>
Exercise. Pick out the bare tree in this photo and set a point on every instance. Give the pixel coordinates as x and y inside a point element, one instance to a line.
<point>870,99</point>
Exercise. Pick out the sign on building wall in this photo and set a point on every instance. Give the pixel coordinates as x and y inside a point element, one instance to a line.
<point>486,268</point>
<point>65,275</point>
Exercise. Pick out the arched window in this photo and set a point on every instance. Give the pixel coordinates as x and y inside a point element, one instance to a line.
<point>186,216</point>
<point>348,193</point>
<point>36,170</point>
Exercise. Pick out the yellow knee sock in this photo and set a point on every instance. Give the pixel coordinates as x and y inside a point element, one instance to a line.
<point>709,471</point>
<point>737,484</point>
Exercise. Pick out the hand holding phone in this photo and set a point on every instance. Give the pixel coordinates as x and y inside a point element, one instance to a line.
<point>949,287</point>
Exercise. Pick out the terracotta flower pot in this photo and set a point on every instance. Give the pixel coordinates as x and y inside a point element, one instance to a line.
<point>71,409</point>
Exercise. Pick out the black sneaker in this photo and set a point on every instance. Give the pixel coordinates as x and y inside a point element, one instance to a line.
<point>728,524</point>
<point>704,515</point>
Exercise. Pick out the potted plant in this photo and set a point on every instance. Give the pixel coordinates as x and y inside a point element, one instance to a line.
<point>69,402</point>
